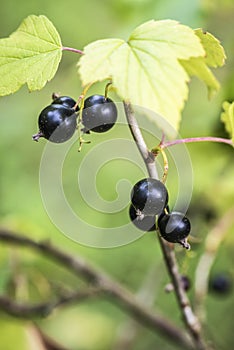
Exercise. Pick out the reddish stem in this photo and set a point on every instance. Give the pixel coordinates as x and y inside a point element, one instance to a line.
<point>64,48</point>
<point>196,139</point>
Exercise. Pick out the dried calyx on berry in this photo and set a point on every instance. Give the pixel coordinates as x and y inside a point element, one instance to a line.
<point>57,122</point>
<point>142,222</point>
<point>174,227</point>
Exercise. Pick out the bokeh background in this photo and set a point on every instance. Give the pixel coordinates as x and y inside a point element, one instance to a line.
<point>99,325</point>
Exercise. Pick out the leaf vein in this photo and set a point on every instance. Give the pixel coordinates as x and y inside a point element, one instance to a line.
<point>37,37</point>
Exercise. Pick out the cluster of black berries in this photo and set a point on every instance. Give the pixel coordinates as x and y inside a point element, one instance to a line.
<point>149,198</point>
<point>58,121</point>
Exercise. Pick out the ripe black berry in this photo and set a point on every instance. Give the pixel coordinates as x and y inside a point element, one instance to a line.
<point>149,196</point>
<point>186,282</point>
<point>142,222</point>
<point>220,284</point>
<point>57,123</point>
<point>174,227</point>
<point>99,114</point>
<point>65,101</point>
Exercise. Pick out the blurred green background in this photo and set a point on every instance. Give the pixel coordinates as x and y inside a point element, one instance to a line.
<point>98,325</point>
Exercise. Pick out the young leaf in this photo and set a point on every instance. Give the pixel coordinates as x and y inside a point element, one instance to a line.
<point>30,55</point>
<point>199,66</point>
<point>227,117</point>
<point>146,69</point>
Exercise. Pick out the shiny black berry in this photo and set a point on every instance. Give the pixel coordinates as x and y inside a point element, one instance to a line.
<point>221,283</point>
<point>57,123</point>
<point>142,222</point>
<point>66,101</point>
<point>99,114</point>
<point>174,227</point>
<point>149,196</point>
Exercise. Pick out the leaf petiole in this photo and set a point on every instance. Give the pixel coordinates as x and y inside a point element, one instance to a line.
<point>65,48</point>
<point>195,139</point>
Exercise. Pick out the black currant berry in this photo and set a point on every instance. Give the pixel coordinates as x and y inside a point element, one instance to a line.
<point>186,282</point>
<point>65,101</point>
<point>99,114</point>
<point>142,222</point>
<point>149,196</point>
<point>57,123</point>
<point>220,284</point>
<point>174,227</point>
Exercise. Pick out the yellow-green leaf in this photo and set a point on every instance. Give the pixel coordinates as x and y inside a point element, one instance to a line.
<point>199,66</point>
<point>31,55</point>
<point>95,63</point>
<point>227,117</point>
<point>146,68</point>
<point>215,54</point>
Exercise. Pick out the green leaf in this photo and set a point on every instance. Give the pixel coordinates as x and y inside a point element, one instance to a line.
<point>146,69</point>
<point>227,117</point>
<point>30,55</point>
<point>199,66</point>
<point>215,55</point>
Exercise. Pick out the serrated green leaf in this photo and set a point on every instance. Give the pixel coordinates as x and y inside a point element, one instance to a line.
<point>31,55</point>
<point>215,54</point>
<point>196,66</point>
<point>97,65</point>
<point>227,117</point>
<point>146,69</point>
<point>199,66</point>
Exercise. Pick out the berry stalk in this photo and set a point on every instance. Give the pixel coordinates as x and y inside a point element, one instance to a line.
<point>147,156</point>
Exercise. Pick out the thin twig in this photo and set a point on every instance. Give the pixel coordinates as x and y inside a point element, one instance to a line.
<point>71,49</point>
<point>112,289</point>
<point>191,321</point>
<point>196,139</point>
<point>28,310</point>
<point>147,155</point>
